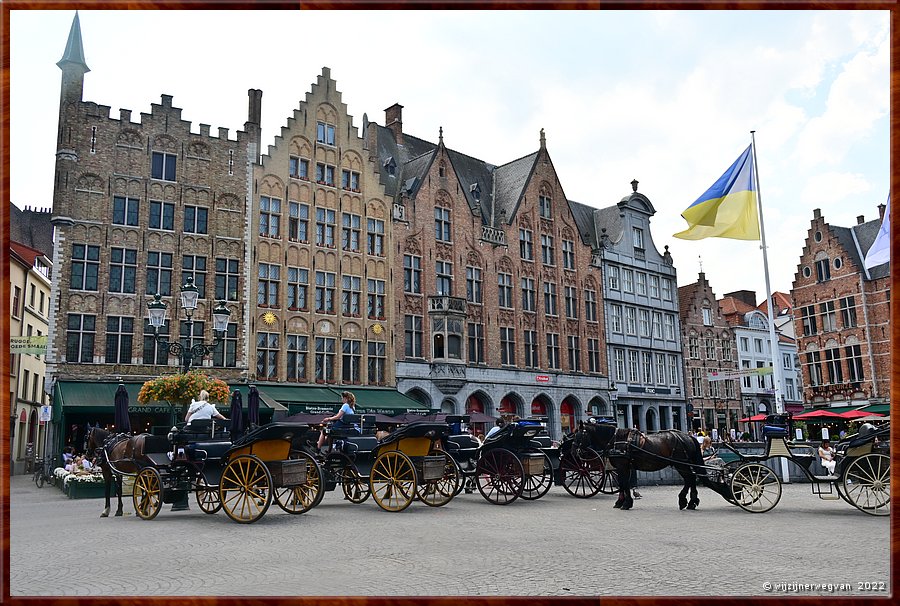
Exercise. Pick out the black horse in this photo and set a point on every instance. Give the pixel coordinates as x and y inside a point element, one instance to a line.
<point>629,449</point>
<point>115,454</point>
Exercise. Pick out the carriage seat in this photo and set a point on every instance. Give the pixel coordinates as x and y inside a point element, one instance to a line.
<point>775,431</point>
<point>200,430</point>
<point>359,444</point>
<point>462,441</point>
<point>346,432</point>
<point>214,450</point>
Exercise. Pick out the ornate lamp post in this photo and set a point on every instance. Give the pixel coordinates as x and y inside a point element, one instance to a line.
<point>189,352</point>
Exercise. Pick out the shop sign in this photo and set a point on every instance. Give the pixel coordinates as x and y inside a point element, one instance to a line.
<point>28,345</point>
<point>46,413</point>
<point>542,378</point>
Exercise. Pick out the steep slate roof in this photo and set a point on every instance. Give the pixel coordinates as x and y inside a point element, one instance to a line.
<point>865,235</point>
<point>413,173</point>
<point>509,183</point>
<point>470,171</point>
<point>32,228</point>
<point>609,217</point>
<point>584,220</point>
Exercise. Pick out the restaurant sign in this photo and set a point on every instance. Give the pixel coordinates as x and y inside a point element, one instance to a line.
<point>28,345</point>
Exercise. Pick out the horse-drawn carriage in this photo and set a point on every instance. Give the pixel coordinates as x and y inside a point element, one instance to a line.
<point>241,477</point>
<point>408,463</point>
<point>861,477</point>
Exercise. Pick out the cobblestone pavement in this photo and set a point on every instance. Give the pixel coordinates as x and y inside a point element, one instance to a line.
<point>556,546</point>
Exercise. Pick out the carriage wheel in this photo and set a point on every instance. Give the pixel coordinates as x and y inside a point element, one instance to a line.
<point>534,487</point>
<point>755,487</point>
<point>500,476</point>
<point>302,498</point>
<point>867,483</point>
<point>147,495</point>
<point>610,483</point>
<point>245,489</point>
<point>393,481</point>
<point>582,474</point>
<point>207,496</point>
<point>441,491</point>
<point>353,484</point>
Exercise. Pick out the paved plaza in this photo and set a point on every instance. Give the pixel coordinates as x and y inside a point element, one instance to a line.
<point>556,546</point>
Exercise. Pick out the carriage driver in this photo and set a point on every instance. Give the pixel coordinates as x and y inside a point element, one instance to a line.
<point>201,408</point>
<point>348,407</point>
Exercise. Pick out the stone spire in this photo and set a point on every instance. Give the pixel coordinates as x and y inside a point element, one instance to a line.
<point>74,53</point>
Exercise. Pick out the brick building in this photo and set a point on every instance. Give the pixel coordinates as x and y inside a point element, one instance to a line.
<point>642,323</point>
<point>138,207</point>
<point>709,347</point>
<point>497,306</point>
<point>843,315</point>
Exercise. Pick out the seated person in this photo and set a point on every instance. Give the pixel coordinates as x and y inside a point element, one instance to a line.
<point>709,453</point>
<point>86,464</point>
<point>498,425</point>
<point>348,407</point>
<point>201,408</point>
<point>827,455</point>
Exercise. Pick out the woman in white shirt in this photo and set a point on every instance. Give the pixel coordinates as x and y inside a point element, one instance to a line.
<point>202,409</point>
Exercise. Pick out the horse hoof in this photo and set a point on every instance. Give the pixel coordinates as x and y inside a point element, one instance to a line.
<point>682,504</point>
<point>692,506</point>
<point>618,505</point>
<point>118,514</point>
<point>105,514</point>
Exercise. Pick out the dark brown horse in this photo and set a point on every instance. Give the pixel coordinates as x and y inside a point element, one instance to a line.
<point>629,449</point>
<point>115,454</point>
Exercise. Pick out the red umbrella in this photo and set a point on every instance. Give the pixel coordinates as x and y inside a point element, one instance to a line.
<point>754,418</point>
<point>858,414</point>
<point>818,414</point>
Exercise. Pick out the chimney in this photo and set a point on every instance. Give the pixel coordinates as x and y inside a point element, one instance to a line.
<point>817,213</point>
<point>881,208</point>
<point>254,113</point>
<point>745,296</point>
<point>860,219</point>
<point>393,119</point>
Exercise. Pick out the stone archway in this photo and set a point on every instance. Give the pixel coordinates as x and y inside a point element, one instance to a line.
<point>448,406</point>
<point>650,421</point>
<point>569,413</point>
<point>599,407</point>
<point>479,401</point>
<point>419,395</point>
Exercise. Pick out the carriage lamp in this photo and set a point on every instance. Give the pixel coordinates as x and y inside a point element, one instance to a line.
<point>189,352</point>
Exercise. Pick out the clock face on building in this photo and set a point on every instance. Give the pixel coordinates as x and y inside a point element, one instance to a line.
<point>269,318</point>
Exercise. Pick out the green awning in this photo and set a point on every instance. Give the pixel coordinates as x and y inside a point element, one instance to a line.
<point>300,394</point>
<point>883,409</point>
<point>383,400</point>
<point>327,400</point>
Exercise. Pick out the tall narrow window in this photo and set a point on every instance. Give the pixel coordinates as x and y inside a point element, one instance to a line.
<point>267,285</point>
<point>93,139</point>
<point>226,354</point>
<point>230,165</point>
<point>854,363</point>
<point>627,280</point>
<point>85,267</point>
<point>476,343</point>
<point>630,321</point>
<point>647,364</point>
<point>351,293</point>
<point>808,315</point>
<point>154,353</point>
<point>657,325</point>
<point>442,224</point>
<point>544,207</point>
<point>531,349</point>
<point>162,215</point>
<point>444,271</point>
<point>226,279</point>
<point>193,266</point>
<point>125,211</point>
<point>412,274</point>
<point>325,224</point>
<point>568,251</point>
<point>848,312</point>
<point>526,245</point>
<point>375,234</point>
<point>159,273</point>
<point>505,290</point>
<point>325,292</point>
<point>119,336</point>
<point>122,270</point>
<point>325,360</point>
<point>707,316</point>
<point>547,250</point>
<point>80,333</point>
<point>590,305</point>
<point>619,355</point>
<point>473,285</point>
<point>823,270</point>
<point>377,362</point>
<point>297,352</point>
<point>528,294</point>
<point>553,351</point>
<point>350,232</point>
<point>375,299</point>
<point>574,353</point>
<point>298,285</point>
<point>507,346</point>
<point>571,297</point>
<point>833,364</point>
<point>298,222</point>
<point>634,367</point>
<point>266,355</point>
<point>660,369</point>
<point>654,286</point>
<point>325,133</point>
<point>829,323</point>
<point>615,318</point>
<point>814,361</point>
<point>638,237</point>
<point>269,216</point>
<point>666,289</point>
<point>593,355</point>
<point>413,335</point>
<point>670,327</point>
<point>351,360</point>
<point>641,283</point>
<point>613,278</point>
<point>550,299</point>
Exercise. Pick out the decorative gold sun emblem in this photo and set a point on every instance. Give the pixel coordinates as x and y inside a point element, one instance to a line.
<point>378,329</point>
<point>269,318</point>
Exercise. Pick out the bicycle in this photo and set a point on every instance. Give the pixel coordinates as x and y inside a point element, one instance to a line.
<point>42,473</point>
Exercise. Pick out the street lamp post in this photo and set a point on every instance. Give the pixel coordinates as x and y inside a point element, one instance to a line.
<point>190,353</point>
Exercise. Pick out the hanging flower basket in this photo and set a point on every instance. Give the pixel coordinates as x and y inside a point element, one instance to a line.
<point>180,389</point>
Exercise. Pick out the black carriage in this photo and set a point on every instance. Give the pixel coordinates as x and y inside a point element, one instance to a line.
<point>408,463</point>
<point>512,464</point>
<point>242,477</point>
<point>862,474</point>
<point>584,472</point>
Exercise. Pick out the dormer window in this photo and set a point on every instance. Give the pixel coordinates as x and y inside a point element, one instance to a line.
<point>476,191</point>
<point>390,166</point>
<point>638,237</point>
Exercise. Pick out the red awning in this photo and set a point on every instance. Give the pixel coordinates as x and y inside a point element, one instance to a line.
<point>858,414</point>
<point>818,414</point>
<point>753,419</point>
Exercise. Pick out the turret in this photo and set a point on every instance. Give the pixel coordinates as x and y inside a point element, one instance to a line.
<point>73,70</point>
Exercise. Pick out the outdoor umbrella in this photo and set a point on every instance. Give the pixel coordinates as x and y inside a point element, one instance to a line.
<point>253,406</point>
<point>817,414</point>
<point>480,417</point>
<point>754,419</point>
<point>237,414</point>
<point>122,421</point>
<point>858,414</point>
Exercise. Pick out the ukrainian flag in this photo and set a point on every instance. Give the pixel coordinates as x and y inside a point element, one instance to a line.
<point>728,208</point>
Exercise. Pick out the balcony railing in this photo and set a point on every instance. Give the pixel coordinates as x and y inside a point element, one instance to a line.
<point>447,304</point>
<point>493,235</point>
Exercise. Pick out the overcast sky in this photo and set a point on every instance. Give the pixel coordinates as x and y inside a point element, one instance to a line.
<point>668,98</point>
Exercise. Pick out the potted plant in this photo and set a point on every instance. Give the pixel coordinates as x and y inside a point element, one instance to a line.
<point>178,390</point>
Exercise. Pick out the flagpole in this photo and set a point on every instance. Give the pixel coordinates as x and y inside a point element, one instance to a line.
<point>773,338</point>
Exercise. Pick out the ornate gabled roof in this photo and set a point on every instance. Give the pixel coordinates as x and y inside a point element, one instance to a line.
<point>74,53</point>
<point>474,172</point>
<point>510,181</point>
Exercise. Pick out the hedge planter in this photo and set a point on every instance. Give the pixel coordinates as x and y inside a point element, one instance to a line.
<point>84,490</point>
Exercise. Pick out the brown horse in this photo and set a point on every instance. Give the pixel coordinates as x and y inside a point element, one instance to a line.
<point>116,454</point>
<point>629,449</point>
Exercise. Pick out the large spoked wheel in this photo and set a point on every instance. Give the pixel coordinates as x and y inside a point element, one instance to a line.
<point>441,491</point>
<point>610,484</point>
<point>207,496</point>
<point>866,482</point>
<point>245,489</point>
<point>147,496</point>
<point>534,487</point>
<point>393,481</point>
<point>582,473</point>
<point>755,487</point>
<point>500,476</point>
<point>353,484</point>
<point>300,499</point>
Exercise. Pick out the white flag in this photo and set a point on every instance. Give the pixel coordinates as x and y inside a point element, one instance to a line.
<point>880,252</point>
